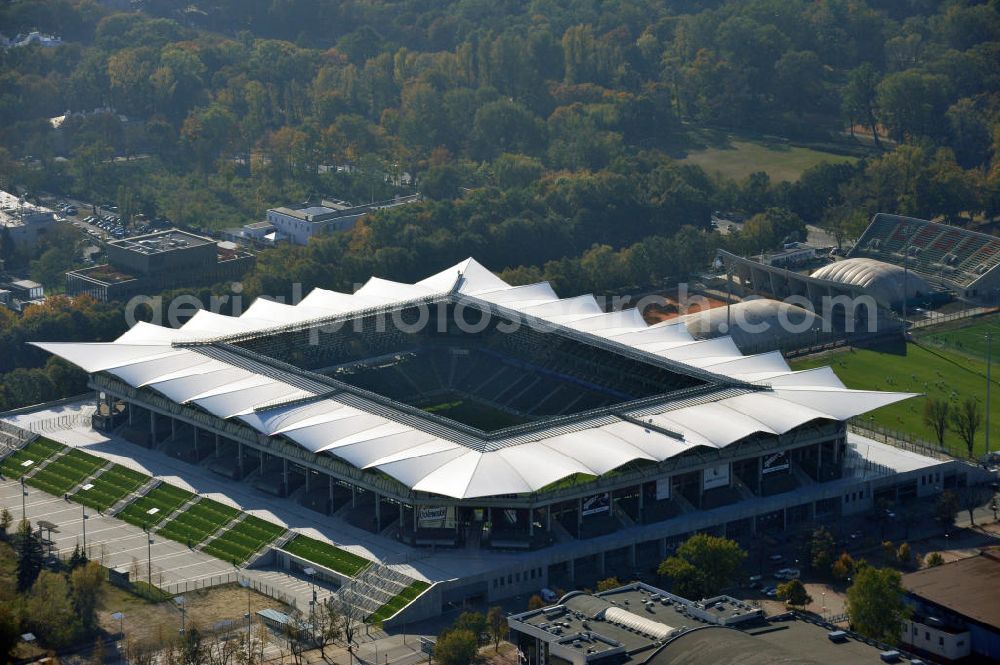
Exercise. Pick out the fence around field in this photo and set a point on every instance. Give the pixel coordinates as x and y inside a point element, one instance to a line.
<point>935,319</point>
<point>907,441</point>
<point>229,578</point>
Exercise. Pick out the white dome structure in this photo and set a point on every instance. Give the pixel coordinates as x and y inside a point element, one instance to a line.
<point>756,325</point>
<point>885,281</point>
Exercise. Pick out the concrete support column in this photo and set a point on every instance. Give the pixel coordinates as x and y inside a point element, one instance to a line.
<point>400,515</point>
<point>632,555</point>
<point>195,440</point>
<point>239,457</point>
<point>601,563</point>
<point>218,445</point>
<point>812,511</point>
<point>284,477</point>
<point>152,427</point>
<point>642,499</point>
<point>548,517</point>
<point>784,518</point>
<point>173,428</point>
<point>130,410</point>
<point>579,514</point>
<point>663,548</point>
<point>354,496</point>
<point>309,474</point>
<point>415,509</point>
<point>571,564</point>
<point>701,487</point>
<point>531,521</point>
<point>329,490</point>
<point>378,512</point>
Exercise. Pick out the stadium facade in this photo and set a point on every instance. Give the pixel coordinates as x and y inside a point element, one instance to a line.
<point>461,411</point>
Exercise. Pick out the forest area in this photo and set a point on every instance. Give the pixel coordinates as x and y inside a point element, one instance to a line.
<point>547,137</point>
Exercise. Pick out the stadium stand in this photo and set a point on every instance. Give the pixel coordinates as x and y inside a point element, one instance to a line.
<point>962,261</point>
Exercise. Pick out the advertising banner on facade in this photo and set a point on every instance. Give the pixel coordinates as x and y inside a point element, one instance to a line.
<point>716,476</point>
<point>436,517</point>
<point>775,462</point>
<point>598,503</point>
<point>662,489</point>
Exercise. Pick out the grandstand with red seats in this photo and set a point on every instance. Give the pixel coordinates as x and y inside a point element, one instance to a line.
<point>964,262</point>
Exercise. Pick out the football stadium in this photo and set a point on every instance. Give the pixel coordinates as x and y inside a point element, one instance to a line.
<point>461,438</point>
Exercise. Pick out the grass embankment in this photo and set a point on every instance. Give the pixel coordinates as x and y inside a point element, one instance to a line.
<point>398,602</point>
<point>194,525</point>
<point>63,474</point>
<point>243,540</point>
<point>110,487</point>
<point>165,498</point>
<point>932,366</point>
<point>326,555</point>
<point>37,451</point>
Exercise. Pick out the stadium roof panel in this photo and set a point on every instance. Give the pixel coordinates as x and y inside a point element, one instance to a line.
<point>710,402</point>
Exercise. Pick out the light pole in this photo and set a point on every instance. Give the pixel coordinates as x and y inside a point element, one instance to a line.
<point>989,362</point>
<point>180,600</point>
<point>311,572</point>
<point>24,494</point>
<point>121,633</point>
<point>149,555</point>
<point>245,583</point>
<point>906,266</point>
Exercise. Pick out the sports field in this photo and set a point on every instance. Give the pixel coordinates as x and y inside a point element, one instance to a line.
<point>742,157</point>
<point>475,413</point>
<point>947,363</point>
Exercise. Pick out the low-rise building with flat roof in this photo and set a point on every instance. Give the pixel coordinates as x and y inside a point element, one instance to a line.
<point>158,261</point>
<point>297,224</point>
<point>641,624</point>
<point>24,222</point>
<point>955,608</point>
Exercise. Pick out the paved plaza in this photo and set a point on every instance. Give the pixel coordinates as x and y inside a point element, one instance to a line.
<point>114,543</point>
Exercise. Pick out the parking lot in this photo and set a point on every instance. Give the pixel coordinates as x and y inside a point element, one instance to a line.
<point>114,543</point>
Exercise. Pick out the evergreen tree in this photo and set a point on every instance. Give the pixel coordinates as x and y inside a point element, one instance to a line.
<point>29,556</point>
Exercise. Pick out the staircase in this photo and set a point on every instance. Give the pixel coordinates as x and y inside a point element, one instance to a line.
<point>89,479</point>
<point>560,533</point>
<point>44,463</point>
<point>372,588</point>
<point>682,502</point>
<point>180,509</point>
<point>281,541</point>
<point>123,503</point>
<point>221,530</point>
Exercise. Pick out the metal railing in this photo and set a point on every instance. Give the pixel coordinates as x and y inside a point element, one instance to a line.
<point>906,441</point>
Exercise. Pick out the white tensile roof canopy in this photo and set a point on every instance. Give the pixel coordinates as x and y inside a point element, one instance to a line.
<point>754,394</point>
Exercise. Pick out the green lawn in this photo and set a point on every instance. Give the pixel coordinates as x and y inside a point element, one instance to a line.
<point>243,540</point>
<point>198,522</point>
<point>965,337</point>
<point>38,450</point>
<point>326,555</point>
<point>110,487</point>
<point>936,372</point>
<point>398,602</point>
<point>742,157</point>
<point>65,473</point>
<point>165,498</point>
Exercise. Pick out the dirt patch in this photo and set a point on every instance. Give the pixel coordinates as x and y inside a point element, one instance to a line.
<point>147,622</point>
<point>672,306</point>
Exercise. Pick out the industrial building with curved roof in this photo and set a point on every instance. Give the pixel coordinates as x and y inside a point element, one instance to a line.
<point>885,281</point>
